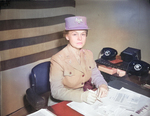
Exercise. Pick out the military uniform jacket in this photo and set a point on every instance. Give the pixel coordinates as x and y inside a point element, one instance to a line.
<point>67,76</point>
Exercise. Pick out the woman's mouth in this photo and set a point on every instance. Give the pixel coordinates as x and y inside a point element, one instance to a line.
<point>79,43</point>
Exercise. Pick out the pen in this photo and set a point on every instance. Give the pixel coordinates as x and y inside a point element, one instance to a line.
<point>98,98</point>
<point>100,94</point>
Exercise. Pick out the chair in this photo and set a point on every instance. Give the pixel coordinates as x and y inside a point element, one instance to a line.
<point>37,95</point>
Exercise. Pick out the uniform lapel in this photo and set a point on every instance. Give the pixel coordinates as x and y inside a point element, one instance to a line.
<point>72,61</point>
<point>83,60</point>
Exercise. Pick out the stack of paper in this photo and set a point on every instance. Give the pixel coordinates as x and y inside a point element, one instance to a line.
<point>42,112</point>
<point>121,102</point>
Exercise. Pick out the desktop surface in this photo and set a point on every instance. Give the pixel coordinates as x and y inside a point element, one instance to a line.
<point>61,109</point>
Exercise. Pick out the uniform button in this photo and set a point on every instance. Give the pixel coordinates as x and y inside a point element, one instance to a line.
<point>70,73</point>
<point>82,75</point>
<point>89,66</point>
<point>82,83</point>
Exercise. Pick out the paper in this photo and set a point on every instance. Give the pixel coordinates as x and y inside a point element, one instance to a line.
<point>127,100</point>
<point>121,102</point>
<point>86,109</point>
<point>143,107</point>
<point>42,112</point>
<point>97,109</point>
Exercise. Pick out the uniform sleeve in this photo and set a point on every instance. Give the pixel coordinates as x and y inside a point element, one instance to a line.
<point>58,90</point>
<point>97,77</point>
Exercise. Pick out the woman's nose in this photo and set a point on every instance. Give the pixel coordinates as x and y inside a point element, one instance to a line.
<point>79,37</point>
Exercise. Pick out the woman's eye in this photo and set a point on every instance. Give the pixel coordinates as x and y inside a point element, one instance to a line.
<point>74,34</point>
<point>83,34</point>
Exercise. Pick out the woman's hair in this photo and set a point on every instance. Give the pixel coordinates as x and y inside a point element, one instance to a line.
<point>67,31</point>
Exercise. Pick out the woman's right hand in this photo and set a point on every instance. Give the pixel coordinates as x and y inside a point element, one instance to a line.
<point>89,97</point>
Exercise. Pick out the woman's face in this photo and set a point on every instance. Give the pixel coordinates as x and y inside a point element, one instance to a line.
<point>76,38</point>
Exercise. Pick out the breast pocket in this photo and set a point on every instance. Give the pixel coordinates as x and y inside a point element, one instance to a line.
<point>69,79</point>
<point>91,65</point>
<point>68,72</point>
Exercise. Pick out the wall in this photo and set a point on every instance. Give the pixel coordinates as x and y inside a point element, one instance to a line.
<point>30,33</point>
<point>118,24</point>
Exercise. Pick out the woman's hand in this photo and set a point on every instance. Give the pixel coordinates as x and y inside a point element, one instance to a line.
<point>89,96</point>
<point>102,91</point>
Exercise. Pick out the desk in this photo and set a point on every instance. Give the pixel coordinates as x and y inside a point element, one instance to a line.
<point>139,80</point>
<point>107,67</point>
<point>129,85</point>
<point>132,78</point>
<point>61,109</point>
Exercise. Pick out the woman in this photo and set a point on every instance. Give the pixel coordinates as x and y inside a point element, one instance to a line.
<point>73,67</point>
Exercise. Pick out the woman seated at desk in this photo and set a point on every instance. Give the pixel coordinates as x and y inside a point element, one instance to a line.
<point>73,67</point>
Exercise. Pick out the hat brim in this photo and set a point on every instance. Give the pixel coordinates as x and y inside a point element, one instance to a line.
<point>77,29</point>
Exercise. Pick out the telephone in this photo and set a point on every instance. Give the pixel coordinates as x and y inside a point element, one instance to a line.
<point>108,53</point>
<point>138,68</point>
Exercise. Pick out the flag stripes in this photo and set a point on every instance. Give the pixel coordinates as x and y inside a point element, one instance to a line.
<point>30,28</point>
<point>31,31</point>
<point>16,62</point>
<point>37,4</point>
<point>30,23</point>
<point>15,43</point>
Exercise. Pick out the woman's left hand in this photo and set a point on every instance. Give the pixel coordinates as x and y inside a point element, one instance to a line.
<point>102,91</point>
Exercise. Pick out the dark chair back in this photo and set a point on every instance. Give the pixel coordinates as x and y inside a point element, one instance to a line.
<point>40,78</point>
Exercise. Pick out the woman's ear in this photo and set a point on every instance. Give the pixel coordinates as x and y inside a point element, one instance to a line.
<point>67,38</point>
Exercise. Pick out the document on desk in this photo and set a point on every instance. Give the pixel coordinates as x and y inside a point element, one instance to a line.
<point>143,107</point>
<point>42,112</point>
<point>127,100</point>
<point>118,103</point>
